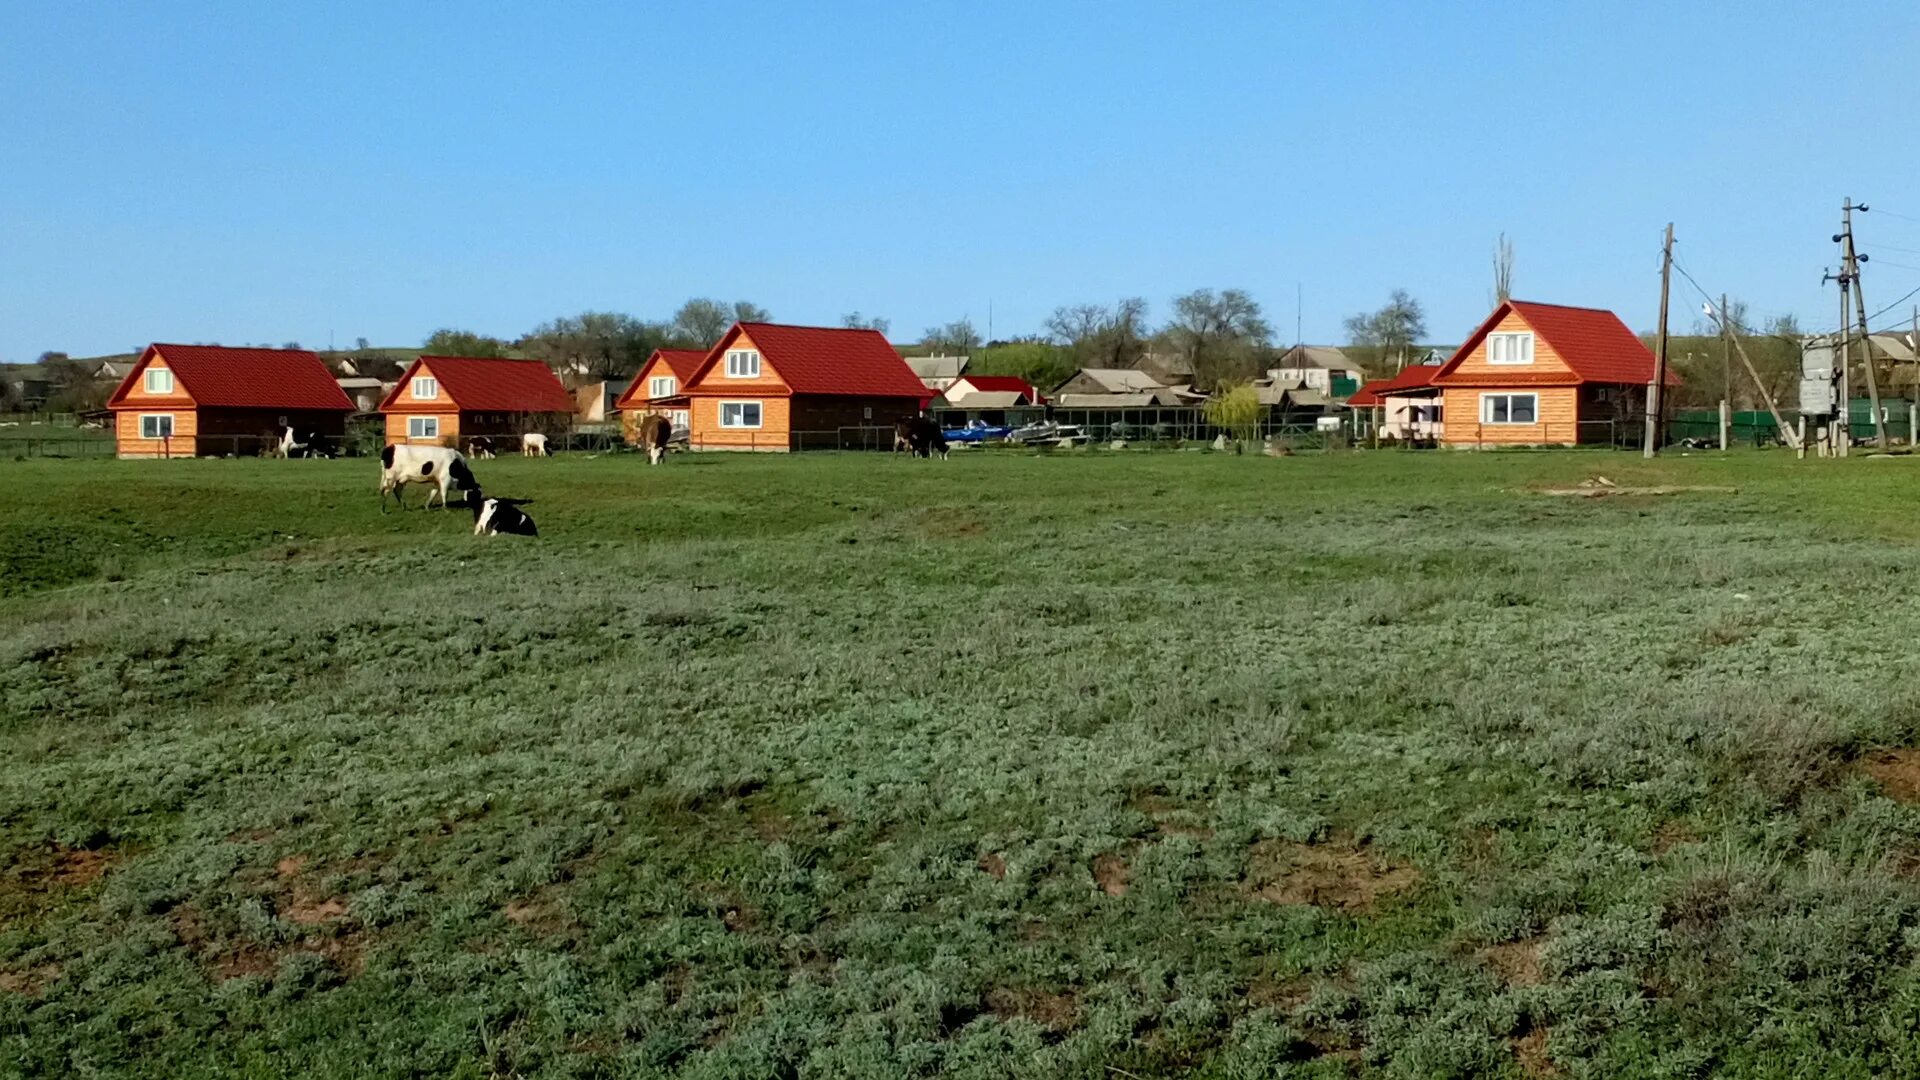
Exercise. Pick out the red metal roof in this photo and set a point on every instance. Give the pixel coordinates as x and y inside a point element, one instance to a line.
<point>1008,384</point>
<point>825,360</point>
<point>488,384</point>
<point>214,375</point>
<point>681,362</point>
<point>1594,343</point>
<point>1368,396</point>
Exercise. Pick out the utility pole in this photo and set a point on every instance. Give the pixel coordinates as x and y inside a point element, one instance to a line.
<point>1652,446</point>
<point>1797,441</point>
<point>1726,375</point>
<point>1851,268</point>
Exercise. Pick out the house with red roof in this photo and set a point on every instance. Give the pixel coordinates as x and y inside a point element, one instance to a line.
<point>767,386</point>
<point>992,392</point>
<point>208,400</point>
<point>1545,375</point>
<point>656,390</point>
<point>449,400</point>
<point>1405,407</point>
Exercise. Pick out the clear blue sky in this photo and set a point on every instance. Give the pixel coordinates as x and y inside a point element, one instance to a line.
<point>272,172</point>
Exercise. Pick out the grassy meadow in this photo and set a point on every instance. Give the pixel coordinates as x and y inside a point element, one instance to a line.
<point>1077,765</point>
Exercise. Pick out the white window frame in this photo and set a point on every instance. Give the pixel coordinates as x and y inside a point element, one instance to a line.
<point>1511,348</point>
<point>425,388</point>
<point>662,386</point>
<point>743,363</point>
<point>1486,409</point>
<point>760,415</point>
<point>165,375</point>
<point>154,432</point>
<point>423,427</point>
<point>680,419</point>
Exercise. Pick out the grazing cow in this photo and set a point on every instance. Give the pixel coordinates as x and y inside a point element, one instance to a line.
<point>902,434</point>
<point>438,467</point>
<point>534,444</point>
<point>491,517</point>
<point>655,432</point>
<point>295,443</point>
<point>481,447</point>
<point>924,437</point>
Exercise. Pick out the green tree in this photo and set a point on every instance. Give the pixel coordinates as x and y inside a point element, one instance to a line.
<point>1223,335</point>
<point>700,321</point>
<point>1040,362</point>
<point>594,344</point>
<point>447,341</point>
<point>1235,409</point>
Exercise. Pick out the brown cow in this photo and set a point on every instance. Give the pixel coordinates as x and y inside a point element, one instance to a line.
<point>654,433</point>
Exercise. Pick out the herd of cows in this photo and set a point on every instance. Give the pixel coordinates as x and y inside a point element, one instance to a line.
<point>443,468</point>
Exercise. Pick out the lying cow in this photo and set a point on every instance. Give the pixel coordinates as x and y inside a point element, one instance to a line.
<point>438,467</point>
<point>654,433</point>
<point>534,444</point>
<point>491,517</point>
<point>924,437</point>
<point>297,443</point>
<point>481,447</point>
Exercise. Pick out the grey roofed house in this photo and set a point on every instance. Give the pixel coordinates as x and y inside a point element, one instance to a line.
<point>991,399</point>
<point>1155,398</point>
<point>363,390</point>
<point>1314,356</point>
<point>1894,345</point>
<point>937,372</point>
<point>1109,381</point>
<point>1166,368</point>
<point>112,369</point>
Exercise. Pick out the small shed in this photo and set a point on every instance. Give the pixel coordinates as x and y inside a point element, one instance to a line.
<point>212,401</point>
<point>447,400</point>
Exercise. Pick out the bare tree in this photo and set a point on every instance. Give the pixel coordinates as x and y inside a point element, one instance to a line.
<point>1391,331</point>
<point>853,320</point>
<point>595,344</point>
<point>1223,335</point>
<point>1100,336</point>
<point>955,338</point>
<point>701,321</point>
<point>448,341</point>
<point>1502,270</point>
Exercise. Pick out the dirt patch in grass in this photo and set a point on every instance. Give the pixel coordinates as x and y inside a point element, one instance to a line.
<point>1517,963</point>
<point>940,523</point>
<point>1672,834</point>
<point>346,951</point>
<point>994,865</point>
<point>290,866</point>
<point>1596,487</point>
<point>37,879</point>
<point>29,982</point>
<point>308,910</point>
<point>1170,817</point>
<point>1897,772</point>
<point>1530,1050</point>
<point>1285,996</point>
<point>1111,874</point>
<point>1051,1009</point>
<point>1339,874</point>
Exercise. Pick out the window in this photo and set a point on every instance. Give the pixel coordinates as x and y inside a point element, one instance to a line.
<point>423,427</point>
<point>743,364</point>
<point>1509,408</point>
<point>739,414</point>
<point>866,413</point>
<point>156,425</point>
<point>426,388</point>
<point>159,381</point>
<point>1510,348</point>
<point>661,386</point>
<point>680,419</point>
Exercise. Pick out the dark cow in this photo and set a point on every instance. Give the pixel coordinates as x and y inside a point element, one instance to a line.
<point>491,517</point>
<point>902,440</point>
<point>295,442</point>
<point>655,432</point>
<point>924,437</point>
<point>438,467</point>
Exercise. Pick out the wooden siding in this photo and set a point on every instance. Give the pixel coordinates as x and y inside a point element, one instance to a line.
<point>1558,418</point>
<point>775,432</point>
<point>1546,362</point>
<point>126,430</point>
<point>449,429</point>
<point>404,398</point>
<point>137,396</point>
<point>715,380</point>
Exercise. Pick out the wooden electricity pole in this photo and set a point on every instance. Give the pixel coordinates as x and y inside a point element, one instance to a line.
<point>1652,446</point>
<point>1797,441</point>
<point>1851,269</point>
<point>1726,376</point>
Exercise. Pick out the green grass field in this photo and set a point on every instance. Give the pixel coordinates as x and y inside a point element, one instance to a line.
<point>1090,765</point>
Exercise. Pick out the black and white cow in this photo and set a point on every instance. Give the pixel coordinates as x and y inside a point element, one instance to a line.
<point>924,437</point>
<point>438,467</point>
<point>301,443</point>
<point>480,447</point>
<point>491,517</point>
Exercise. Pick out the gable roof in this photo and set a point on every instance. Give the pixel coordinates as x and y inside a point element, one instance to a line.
<point>824,360</point>
<point>217,376</point>
<point>937,367</point>
<point>491,384</point>
<point>1002,384</point>
<point>682,363</point>
<point>1120,380</point>
<point>1594,344</point>
<point>1325,357</point>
